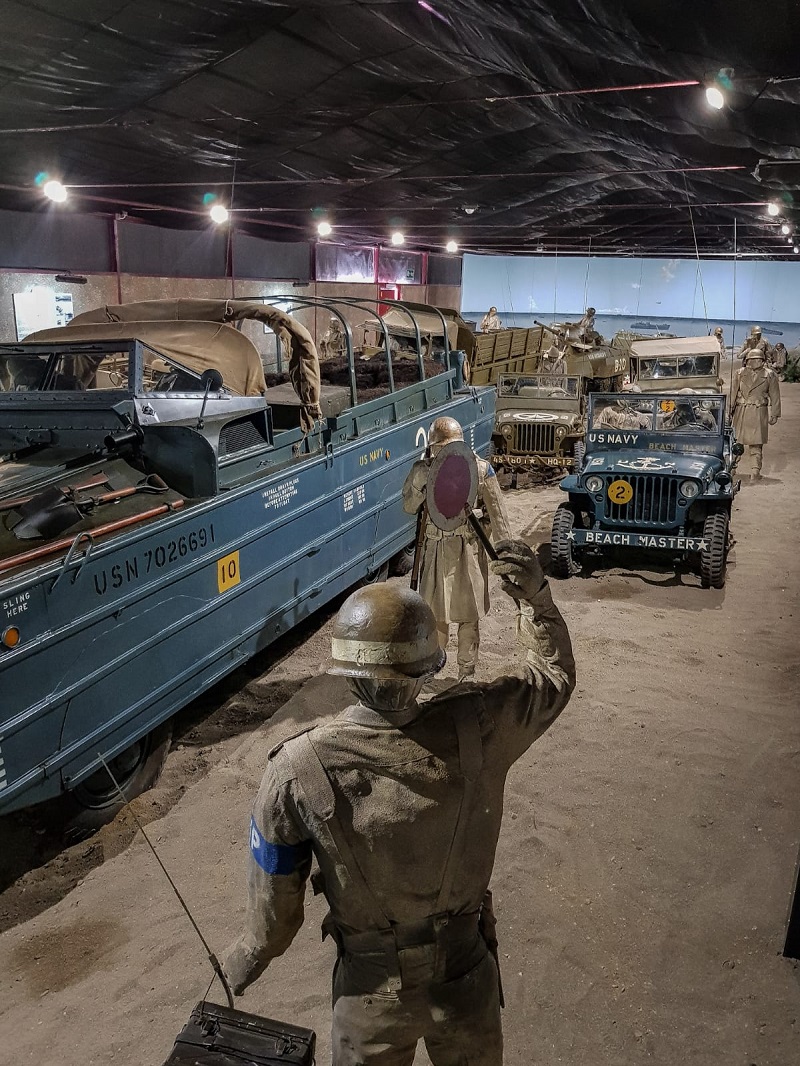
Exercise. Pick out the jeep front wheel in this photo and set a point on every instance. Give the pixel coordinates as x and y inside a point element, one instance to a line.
<point>562,546</point>
<point>712,557</point>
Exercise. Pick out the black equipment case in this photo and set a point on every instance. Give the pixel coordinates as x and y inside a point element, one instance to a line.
<point>220,1036</point>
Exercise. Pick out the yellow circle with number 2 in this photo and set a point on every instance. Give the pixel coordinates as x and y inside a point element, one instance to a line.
<point>620,492</point>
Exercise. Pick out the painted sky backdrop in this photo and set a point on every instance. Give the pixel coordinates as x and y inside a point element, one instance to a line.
<point>654,288</point>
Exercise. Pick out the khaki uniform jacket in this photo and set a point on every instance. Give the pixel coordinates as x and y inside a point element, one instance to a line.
<point>397,793</point>
<point>454,575</point>
<point>754,392</point>
<point>750,345</point>
<point>490,323</point>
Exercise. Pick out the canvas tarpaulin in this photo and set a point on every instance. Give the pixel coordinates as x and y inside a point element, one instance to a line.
<point>303,360</point>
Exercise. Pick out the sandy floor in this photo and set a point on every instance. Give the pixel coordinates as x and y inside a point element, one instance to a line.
<point>644,870</point>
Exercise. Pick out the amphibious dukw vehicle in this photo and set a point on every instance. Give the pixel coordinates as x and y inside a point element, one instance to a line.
<point>165,515</point>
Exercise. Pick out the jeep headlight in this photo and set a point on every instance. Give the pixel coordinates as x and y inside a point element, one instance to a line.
<point>561,432</point>
<point>507,431</point>
<point>594,483</point>
<point>689,489</point>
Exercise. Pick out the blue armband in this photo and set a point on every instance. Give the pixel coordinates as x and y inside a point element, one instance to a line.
<point>280,859</point>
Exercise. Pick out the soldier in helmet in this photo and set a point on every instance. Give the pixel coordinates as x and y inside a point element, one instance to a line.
<point>588,333</point>
<point>401,805</point>
<point>490,322</point>
<point>755,405</point>
<point>720,337</point>
<point>779,357</point>
<point>333,343</point>
<point>755,343</point>
<point>454,576</point>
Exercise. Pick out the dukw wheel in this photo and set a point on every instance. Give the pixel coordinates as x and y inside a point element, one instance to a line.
<point>562,548</point>
<point>95,801</point>
<point>713,556</point>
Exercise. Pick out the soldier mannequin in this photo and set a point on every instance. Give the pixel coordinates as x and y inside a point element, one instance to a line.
<point>454,577</point>
<point>755,343</point>
<point>586,326</point>
<point>401,805</point>
<point>491,321</point>
<point>755,405</point>
<point>334,342</point>
<point>720,336</point>
<point>779,357</point>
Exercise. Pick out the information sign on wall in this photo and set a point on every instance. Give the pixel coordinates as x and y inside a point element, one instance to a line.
<point>41,308</point>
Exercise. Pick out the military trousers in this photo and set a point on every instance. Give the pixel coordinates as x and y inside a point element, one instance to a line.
<point>458,1020</point>
<point>756,457</point>
<point>469,640</point>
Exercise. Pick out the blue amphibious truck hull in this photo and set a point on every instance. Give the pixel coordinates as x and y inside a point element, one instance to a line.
<point>115,641</point>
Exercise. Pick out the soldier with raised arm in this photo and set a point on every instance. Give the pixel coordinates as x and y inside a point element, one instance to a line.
<point>401,804</point>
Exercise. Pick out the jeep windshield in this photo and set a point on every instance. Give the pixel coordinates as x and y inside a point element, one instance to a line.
<point>688,366</point>
<point>539,386</point>
<point>97,367</point>
<point>673,414</point>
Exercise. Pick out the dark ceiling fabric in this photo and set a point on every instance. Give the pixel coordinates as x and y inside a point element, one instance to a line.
<point>311,97</point>
<point>257,259</point>
<point>171,253</point>
<point>50,240</point>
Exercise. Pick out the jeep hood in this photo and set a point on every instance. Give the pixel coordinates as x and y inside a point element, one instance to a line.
<point>564,418</point>
<point>623,462</point>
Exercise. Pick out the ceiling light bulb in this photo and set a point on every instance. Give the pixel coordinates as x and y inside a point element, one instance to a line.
<point>398,238</point>
<point>470,209</point>
<point>324,229</point>
<point>55,191</point>
<point>451,247</point>
<point>715,97</point>
<point>772,209</point>
<point>785,229</point>
<point>219,214</point>
<point>796,249</point>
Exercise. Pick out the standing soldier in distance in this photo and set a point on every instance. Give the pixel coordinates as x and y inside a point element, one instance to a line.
<point>401,805</point>
<point>755,343</point>
<point>755,405</point>
<point>454,577</point>
<point>720,336</point>
<point>490,322</point>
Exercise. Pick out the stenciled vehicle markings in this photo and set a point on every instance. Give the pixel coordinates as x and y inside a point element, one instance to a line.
<point>644,462</point>
<point>138,566</point>
<point>637,540</point>
<point>354,498</point>
<point>15,605</point>
<point>278,496</point>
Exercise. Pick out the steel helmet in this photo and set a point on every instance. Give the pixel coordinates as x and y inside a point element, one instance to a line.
<point>443,430</point>
<point>590,311</point>
<point>753,354</point>
<point>385,632</point>
<point>492,310</point>
<point>755,331</point>
<point>718,331</point>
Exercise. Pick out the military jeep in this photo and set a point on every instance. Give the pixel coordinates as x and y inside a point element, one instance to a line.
<point>539,421</point>
<point>658,474</point>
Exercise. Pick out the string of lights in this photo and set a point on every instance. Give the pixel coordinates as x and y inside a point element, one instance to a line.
<point>717,89</point>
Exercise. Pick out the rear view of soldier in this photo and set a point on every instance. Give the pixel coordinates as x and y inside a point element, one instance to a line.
<point>401,803</point>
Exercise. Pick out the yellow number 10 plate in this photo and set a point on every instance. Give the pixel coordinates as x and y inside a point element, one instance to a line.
<point>228,573</point>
